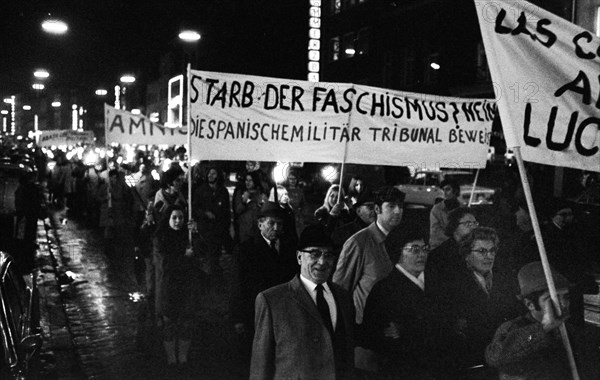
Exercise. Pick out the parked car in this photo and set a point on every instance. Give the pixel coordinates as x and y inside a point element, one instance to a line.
<point>424,188</point>
<point>19,321</point>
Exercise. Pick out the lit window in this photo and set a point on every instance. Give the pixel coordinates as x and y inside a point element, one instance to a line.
<point>336,6</point>
<point>334,49</point>
<point>348,45</point>
<point>431,71</point>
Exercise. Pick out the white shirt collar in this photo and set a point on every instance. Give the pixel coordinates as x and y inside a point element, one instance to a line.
<point>385,232</point>
<point>310,286</point>
<point>419,281</point>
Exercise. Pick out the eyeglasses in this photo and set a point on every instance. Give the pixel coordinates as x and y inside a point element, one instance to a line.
<point>315,254</point>
<point>484,252</point>
<point>416,249</point>
<point>470,223</point>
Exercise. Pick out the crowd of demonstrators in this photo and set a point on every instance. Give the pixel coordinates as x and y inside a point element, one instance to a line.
<point>357,292</point>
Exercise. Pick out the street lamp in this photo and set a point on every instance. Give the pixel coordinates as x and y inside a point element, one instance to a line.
<point>55,26</point>
<point>41,74</point>
<point>189,36</point>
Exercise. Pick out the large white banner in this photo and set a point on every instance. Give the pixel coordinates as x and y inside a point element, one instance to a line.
<point>239,117</point>
<point>58,137</point>
<point>545,73</point>
<point>126,128</point>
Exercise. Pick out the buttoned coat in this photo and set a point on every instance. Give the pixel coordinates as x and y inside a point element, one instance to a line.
<point>364,261</point>
<point>291,340</point>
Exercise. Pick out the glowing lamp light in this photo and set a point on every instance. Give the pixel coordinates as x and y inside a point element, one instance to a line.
<point>56,104</point>
<point>189,36</point>
<point>55,26</point>
<point>136,111</point>
<point>4,112</point>
<point>8,100</point>
<point>101,92</point>
<point>26,107</point>
<point>41,74</point>
<point>127,79</point>
<point>329,173</point>
<point>38,86</point>
<point>350,51</point>
<point>435,66</point>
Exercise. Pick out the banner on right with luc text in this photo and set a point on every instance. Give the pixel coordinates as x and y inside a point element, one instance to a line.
<point>545,72</point>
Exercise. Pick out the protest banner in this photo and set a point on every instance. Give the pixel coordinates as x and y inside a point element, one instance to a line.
<point>239,117</point>
<point>60,137</point>
<point>545,74</point>
<point>123,127</point>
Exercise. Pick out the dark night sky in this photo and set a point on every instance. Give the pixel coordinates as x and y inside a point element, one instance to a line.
<point>109,37</point>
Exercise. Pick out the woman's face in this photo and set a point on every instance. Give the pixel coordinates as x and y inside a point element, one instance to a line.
<point>212,176</point>
<point>176,220</point>
<point>414,257</point>
<point>358,186</point>
<point>292,180</point>
<point>249,182</point>
<point>482,256</point>
<point>333,197</point>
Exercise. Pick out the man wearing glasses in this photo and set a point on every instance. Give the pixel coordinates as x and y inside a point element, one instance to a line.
<point>364,261</point>
<point>304,328</point>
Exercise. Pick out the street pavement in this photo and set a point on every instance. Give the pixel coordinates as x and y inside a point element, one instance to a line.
<point>94,322</point>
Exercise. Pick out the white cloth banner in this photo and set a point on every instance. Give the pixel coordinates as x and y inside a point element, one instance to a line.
<point>545,74</point>
<point>58,137</point>
<point>239,117</point>
<point>123,127</point>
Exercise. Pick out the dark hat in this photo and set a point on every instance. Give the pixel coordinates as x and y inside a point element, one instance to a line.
<point>532,279</point>
<point>452,183</point>
<point>271,209</point>
<point>364,197</point>
<point>389,194</point>
<point>314,236</point>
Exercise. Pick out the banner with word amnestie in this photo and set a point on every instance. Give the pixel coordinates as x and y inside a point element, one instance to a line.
<point>240,117</point>
<point>58,137</point>
<point>126,128</point>
<point>545,71</point>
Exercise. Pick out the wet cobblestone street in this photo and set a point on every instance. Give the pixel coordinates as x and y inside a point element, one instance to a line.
<point>96,328</point>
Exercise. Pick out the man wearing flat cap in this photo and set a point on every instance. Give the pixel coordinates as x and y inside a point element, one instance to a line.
<point>530,347</point>
<point>364,260</point>
<point>265,260</point>
<point>304,328</point>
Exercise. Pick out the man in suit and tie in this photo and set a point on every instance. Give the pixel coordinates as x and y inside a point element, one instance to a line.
<point>304,328</point>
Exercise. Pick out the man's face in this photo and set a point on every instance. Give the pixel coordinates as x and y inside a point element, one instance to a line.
<point>316,263</point>
<point>366,212</point>
<point>466,224</point>
<point>389,215</point>
<point>449,193</point>
<point>482,256</point>
<point>212,176</point>
<point>563,299</point>
<point>270,227</point>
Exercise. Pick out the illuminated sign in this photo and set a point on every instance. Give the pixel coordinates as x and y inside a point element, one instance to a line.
<point>314,42</point>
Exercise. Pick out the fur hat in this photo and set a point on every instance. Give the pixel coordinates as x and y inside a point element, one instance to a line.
<point>532,279</point>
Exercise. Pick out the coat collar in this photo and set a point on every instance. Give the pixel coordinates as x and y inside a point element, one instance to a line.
<point>377,234</point>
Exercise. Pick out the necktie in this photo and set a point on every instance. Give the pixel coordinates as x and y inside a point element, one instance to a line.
<point>273,245</point>
<point>324,309</point>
